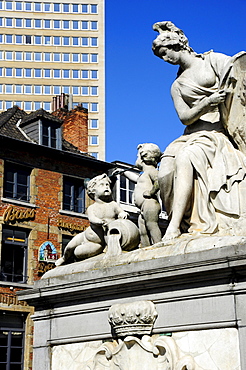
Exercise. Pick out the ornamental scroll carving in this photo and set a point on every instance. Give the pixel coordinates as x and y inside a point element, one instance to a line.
<point>138,351</point>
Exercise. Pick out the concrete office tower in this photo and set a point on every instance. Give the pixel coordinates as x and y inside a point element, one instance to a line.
<point>53,47</point>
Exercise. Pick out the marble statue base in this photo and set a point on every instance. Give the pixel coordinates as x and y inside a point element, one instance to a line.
<point>198,288</point>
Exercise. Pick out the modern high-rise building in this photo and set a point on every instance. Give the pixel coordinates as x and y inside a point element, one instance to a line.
<point>51,47</point>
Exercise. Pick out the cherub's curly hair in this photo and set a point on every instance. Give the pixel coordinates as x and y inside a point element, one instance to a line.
<point>154,149</point>
<point>169,35</point>
<point>92,183</point>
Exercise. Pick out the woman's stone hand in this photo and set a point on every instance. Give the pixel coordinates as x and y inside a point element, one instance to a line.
<point>217,98</point>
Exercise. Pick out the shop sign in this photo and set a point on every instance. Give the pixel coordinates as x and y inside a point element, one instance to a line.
<point>14,214</point>
<point>47,252</point>
<point>70,226</point>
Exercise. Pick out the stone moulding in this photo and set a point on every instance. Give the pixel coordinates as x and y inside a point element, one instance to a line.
<point>132,318</point>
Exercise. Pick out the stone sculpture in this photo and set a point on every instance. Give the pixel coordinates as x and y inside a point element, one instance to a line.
<point>107,223</point>
<point>202,173</point>
<point>135,347</point>
<point>145,192</point>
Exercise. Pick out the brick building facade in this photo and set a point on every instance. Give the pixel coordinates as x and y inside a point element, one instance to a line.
<point>43,171</point>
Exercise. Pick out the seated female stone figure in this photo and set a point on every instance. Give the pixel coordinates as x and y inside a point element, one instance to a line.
<point>202,174</point>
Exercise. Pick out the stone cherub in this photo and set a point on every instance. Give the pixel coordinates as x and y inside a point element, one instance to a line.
<point>101,213</point>
<point>145,193</point>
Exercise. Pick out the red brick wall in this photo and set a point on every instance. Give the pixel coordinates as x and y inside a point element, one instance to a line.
<point>75,126</point>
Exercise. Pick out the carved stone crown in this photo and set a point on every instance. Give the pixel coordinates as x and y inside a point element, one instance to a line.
<point>132,318</point>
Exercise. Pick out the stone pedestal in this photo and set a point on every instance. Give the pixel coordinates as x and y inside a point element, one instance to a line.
<point>197,287</point>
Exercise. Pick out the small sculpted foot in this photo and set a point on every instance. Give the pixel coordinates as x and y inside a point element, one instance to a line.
<point>171,234</point>
<point>60,261</point>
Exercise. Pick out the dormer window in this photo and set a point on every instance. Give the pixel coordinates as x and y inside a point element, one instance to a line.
<point>50,135</point>
<point>43,128</point>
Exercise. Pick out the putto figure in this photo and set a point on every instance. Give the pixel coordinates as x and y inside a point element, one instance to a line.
<point>101,213</point>
<point>202,174</point>
<point>145,193</point>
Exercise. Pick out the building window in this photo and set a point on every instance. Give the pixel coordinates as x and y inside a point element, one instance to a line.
<point>94,90</point>
<point>93,140</point>
<point>1,88</point>
<point>27,89</point>
<point>28,6</point>
<point>57,23</point>
<point>66,89</point>
<point>56,7</point>
<point>37,89</point>
<point>94,123</point>
<point>18,89</point>
<point>8,104</point>
<point>9,72</point>
<point>18,72</point>
<point>50,135</point>
<point>38,40</point>
<point>57,90</point>
<point>85,90</point>
<point>18,39</point>
<point>85,25</point>
<point>28,72</point>
<point>85,73</point>
<point>126,190</point>
<point>28,105</point>
<point>37,57</point>
<point>28,23</point>
<point>38,23</point>
<point>18,55</point>
<point>47,73</point>
<point>85,58</point>
<point>75,25</point>
<point>94,41</point>
<point>66,57</point>
<point>9,55</point>
<point>47,7</point>
<point>85,8</point>
<point>75,41</point>
<point>18,22</point>
<point>94,25</point>
<point>94,58</point>
<point>85,41</point>
<point>47,57</point>
<point>94,8</point>
<point>94,107</point>
<point>16,182</point>
<point>19,103</point>
<point>37,105</point>
<point>73,195</point>
<point>9,22</point>
<point>94,154</point>
<point>47,23</point>
<point>18,5</point>
<point>28,56</point>
<point>37,7</point>
<point>65,73</point>
<point>75,90</point>
<point>75,73</point>
<point>57,57</point>
<point>66,25</point>
<point>57,73</point>
<point>47,40</point>
<point>65,8</point>
<point>9,5</point>
<point>8,89</point>
<point>12,340</point>
<point>75,57</point>
<point>14,255</point>
<point>47,105</point>
<point>47,89</point>
<point>37,72</point>
<point>75,8</point>
<point>65,41</point>
<point>9,39</point>
<point>85,105</point>
<point>94,74</point>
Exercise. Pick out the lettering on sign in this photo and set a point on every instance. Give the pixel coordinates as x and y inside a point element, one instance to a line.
<point>11,299</point>
<point>14,214</point>
<point>70,226</point>
<point>44,267</point>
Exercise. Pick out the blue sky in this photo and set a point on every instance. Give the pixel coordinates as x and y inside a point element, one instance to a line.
<point>138,104</point>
